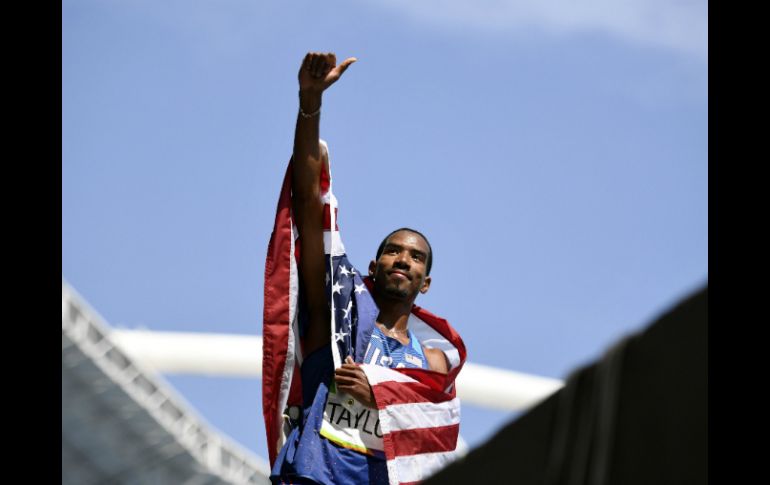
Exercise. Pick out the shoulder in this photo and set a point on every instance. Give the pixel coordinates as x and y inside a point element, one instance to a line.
<point>437,360</point>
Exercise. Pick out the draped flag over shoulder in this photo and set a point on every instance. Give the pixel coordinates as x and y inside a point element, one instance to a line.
<point>419,413</point>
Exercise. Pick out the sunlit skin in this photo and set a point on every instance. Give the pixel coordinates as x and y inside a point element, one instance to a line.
<point>399,273</point>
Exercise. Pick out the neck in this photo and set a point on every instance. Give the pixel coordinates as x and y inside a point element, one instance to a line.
<point>394,314</point>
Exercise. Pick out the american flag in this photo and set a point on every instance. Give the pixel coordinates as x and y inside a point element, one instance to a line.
<point>418,409</point>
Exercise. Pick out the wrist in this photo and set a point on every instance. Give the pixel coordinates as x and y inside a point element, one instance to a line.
<point>309,101</point>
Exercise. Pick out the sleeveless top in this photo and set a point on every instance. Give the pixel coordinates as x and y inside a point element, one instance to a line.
<point>336,443</point>
<point>390,352</point>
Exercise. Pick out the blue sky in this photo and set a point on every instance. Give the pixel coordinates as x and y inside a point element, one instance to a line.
<point>554,152</point>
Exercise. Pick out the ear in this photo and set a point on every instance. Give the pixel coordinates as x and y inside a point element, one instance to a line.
<point>425,285</point>
<point>372,267</point>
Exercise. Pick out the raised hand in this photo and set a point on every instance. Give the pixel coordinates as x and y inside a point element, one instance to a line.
<point>319,71</point>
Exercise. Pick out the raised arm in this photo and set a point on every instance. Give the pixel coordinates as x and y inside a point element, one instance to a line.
<point>317,73</point>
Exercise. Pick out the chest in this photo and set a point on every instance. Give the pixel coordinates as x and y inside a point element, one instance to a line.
<point>390,352</point>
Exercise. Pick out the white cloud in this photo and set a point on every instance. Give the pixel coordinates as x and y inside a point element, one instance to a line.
<point>681,25</point>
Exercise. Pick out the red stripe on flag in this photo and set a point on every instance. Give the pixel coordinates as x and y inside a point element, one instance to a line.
<point>276,314</point>
<point>425,440</point>
<point>325,181</point>
<point>387,393</point>
<point>432,379</point>
<point>328,220</point>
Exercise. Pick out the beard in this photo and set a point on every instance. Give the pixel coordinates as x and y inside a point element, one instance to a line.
<point>394,291</point>
<point>389,289</point>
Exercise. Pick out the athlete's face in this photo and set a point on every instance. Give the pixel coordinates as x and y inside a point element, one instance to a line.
<point>400,271</point>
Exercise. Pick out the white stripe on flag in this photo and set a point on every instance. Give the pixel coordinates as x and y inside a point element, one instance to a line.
<point>294,344</point>
<point>414,468</point>
<point>423,415</point>
<point>333,243</point>
<point>377,374</point>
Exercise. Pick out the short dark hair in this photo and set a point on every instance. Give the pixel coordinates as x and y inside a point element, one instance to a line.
<point>428,262</point>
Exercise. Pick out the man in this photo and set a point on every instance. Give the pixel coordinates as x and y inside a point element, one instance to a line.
<point>352,426</point>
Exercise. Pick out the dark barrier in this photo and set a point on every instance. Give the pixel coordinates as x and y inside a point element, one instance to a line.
<point>637,416</point>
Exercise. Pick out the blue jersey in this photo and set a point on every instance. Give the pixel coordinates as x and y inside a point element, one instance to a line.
<point>319,449</point>
<point>389,352</point>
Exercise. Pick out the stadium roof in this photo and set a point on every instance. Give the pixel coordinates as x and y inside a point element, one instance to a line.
<point>123,423</point>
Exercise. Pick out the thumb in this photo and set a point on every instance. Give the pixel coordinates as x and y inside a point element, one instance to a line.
<point>344,65</point>
<point>349,360</point>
